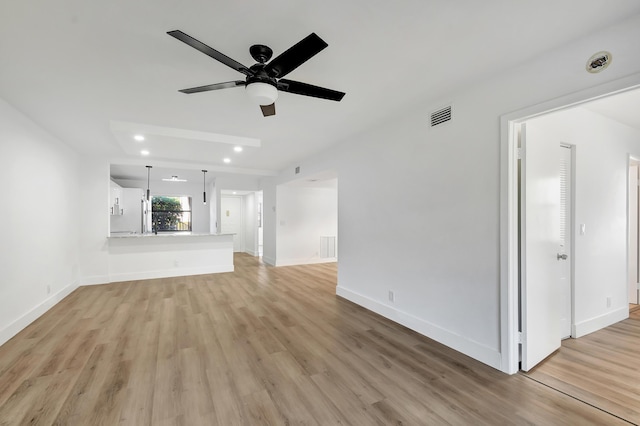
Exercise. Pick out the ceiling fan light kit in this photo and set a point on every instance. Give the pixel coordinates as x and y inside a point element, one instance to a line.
<point>265,78</point>
<point>262,93</point>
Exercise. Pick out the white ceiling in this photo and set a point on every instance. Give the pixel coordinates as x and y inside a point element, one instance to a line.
<point>77,66</point>
<point>623,107</point>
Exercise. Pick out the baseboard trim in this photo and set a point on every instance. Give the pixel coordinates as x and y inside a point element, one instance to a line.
<point>268,260</point>
<point>36,312</point>
<point>168,273</point>
<point>597,323</point>
<point>95,280</point>
<point>295,262</point>
<point>459,343</point>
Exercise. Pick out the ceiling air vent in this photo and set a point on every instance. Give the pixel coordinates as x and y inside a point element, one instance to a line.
<point>441,116</point>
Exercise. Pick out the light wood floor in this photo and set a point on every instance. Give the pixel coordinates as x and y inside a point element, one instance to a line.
<point>602,369</point>
<point>258,346</point>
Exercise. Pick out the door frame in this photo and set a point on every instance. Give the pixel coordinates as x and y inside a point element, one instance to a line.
<point>633,161</point>
<point>509,212</point>
<point>572,238</point>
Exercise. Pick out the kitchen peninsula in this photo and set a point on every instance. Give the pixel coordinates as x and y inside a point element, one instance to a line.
<point>144,256</point>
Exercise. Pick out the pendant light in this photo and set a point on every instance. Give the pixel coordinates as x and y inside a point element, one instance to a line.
<point>148,177</point>
<point>204,187</point>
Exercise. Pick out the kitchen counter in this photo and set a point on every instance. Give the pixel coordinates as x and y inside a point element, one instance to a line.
<point>144,256</point>
<point>162,234</point>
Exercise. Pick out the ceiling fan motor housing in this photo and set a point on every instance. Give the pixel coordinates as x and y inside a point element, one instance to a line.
<point>261,53</point>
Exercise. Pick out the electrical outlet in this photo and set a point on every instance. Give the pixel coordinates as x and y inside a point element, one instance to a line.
<point>48,289</point>
<point>392,296</point>
<point>608,302</point>
<point>176,263</point>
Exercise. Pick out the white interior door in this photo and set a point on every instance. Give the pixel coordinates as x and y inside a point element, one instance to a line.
<point>566,221</point>
<point>540,239</point>
<point>231,220</point>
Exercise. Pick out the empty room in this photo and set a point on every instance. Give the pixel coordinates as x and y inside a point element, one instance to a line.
<point>215,216</point>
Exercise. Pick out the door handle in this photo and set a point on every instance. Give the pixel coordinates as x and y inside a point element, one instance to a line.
<point>561,256</point>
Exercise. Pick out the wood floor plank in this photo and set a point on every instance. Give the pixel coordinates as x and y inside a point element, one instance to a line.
<point>276,346</point>
<point>261,410</point>
<point>138,403</point>
<point>84,395</point>
<point>600,369</point>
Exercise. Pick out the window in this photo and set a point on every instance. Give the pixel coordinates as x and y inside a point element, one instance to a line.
<point>171,214</point>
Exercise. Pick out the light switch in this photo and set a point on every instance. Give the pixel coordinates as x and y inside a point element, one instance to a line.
<point>583,228</point>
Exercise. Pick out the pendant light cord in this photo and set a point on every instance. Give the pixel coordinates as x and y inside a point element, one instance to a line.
<point>204,186</point>
<point>148,181</point>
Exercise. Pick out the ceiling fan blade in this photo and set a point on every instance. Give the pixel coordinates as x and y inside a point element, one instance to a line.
<point>309,90</point>
<point>268,110</point>
<point>209,51</point>
<point>295,56</point>
<point>216,86</point>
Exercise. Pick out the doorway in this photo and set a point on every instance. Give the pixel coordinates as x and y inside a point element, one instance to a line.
<point>241,214</point>
<point>307,220</point>
<point>600,305</point>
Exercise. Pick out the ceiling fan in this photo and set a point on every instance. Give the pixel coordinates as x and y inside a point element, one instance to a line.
<point>264,79</point>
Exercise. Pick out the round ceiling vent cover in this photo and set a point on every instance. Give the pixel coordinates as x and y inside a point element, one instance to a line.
<point>598,62</point>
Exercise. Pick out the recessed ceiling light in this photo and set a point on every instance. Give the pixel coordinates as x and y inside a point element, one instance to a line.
<point>144,152</point>
<point>234,192</point>
<point>227,160</point>
<point>139,138</point>
<point>238,149</point>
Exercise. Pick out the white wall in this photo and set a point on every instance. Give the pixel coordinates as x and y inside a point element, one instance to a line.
<point>94,220</point>
<point>601,178</point>
<point>411,222</point>
<point>304,215</point>
<point>269,221</point>
<point>39,249</point>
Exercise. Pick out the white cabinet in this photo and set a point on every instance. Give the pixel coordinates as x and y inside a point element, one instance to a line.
<point>115,199</point>
<point>126,209</point>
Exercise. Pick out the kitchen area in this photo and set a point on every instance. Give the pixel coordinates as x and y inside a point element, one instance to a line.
<point>162,227</point>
